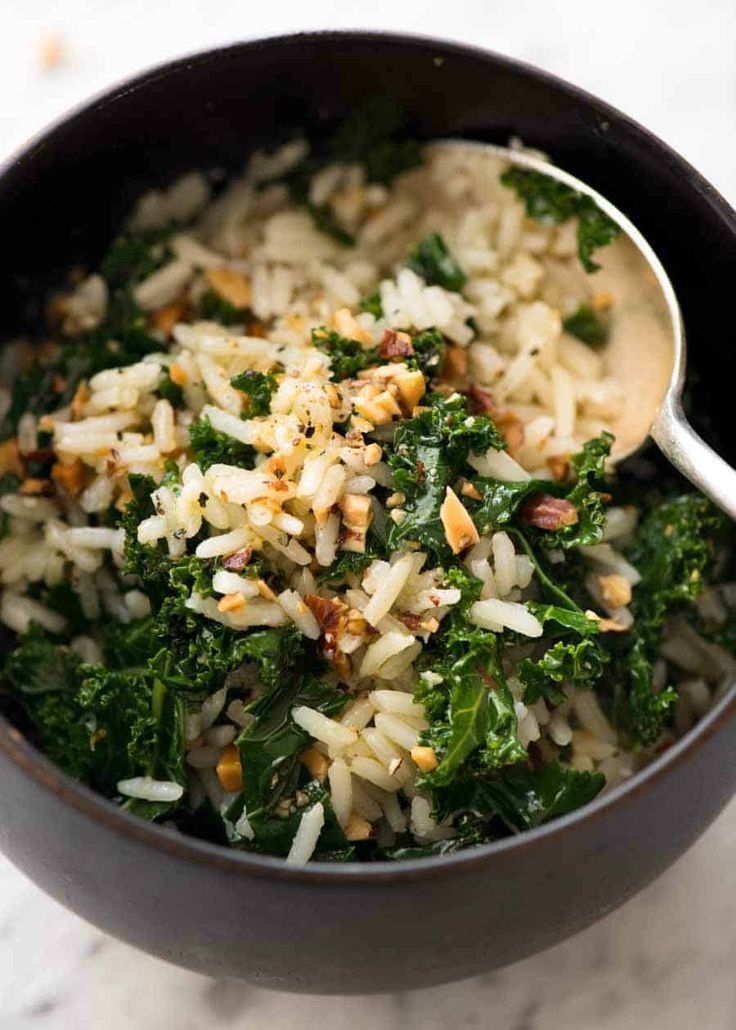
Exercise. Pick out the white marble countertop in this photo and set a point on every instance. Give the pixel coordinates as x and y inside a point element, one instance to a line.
<point>667,958</point>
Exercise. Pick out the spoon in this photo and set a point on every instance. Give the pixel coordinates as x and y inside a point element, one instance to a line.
<point>646,348</point>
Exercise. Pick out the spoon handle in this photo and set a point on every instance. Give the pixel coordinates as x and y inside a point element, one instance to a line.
<point>692,456</point>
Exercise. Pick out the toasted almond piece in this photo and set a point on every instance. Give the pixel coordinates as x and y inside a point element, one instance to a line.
<point>606,625</point>
<point>231,602</point>
<point>602,300</point>
<point>80,399</point>
<point>615,589</point>
<point>460,531</point>
<point>71,476</point>
<point>379,409</point>
<point>358,828</point>
<point>178,375</point>
<point>265,591</point>
<point>46,423</point>
<point>559,466</point>
<point>468,490</point>
<point>166,318</point>
<point>411,387</point>
<point>230,285</point>
<point>395,499</point>
<point>229,770</point>
<point>33,487</point>
<point>315,762</point>
<point>456,362</point>
<point>425,758</point>
<point>347,325</point>
<point>10,460</point>
<point>395,344</point>
<point>372,454</point>
<point>356,509</point>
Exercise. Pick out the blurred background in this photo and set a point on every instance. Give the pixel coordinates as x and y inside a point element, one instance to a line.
<point>665,960</point>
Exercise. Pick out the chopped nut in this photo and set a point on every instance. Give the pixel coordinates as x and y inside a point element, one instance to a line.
<point>559,466</point>
<point>10,460</point>
<point>229,770</point>
<point>166,318</point>
<point>615,590</point>
<point>358,828</point>
<point>606,625</point>
<point>357,512</point>
<point>460,531</point>
<point>231,602</point>
<point>397,515</point>
<point>177,375</point>
<point>395,499</point>
<point>547,512</point>
<point>348,325</point>
<point>356,624</point>
<point>468,490</point>
<point>80,399</point>
<point>456,363</point>
<point>602,300</point>
<point>230,285</point>
<point>483,401</point>
<point>34,487</point>
<point>265,591</point>
<point>71,477</point>
<point>395,345</point>
<point>315,762</point>
<point>411,387</point>
<point>378,407</point>
<point>425,758</point>
<point>372,454</point>
<point>46,423</point>
<point>237,561</point>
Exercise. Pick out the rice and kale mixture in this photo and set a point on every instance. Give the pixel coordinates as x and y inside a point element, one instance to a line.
<point>308,539</point>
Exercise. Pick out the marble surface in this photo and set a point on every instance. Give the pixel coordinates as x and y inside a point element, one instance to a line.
<point>667,958</point>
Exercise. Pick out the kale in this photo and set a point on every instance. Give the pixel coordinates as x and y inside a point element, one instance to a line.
<point>372,304</point>
<point>347,357</point>
<point>275,834</point>
<point>524,798</point>
<point>429,453</point>
<point>589,466</point>
<point>121,339</point>
<point>99,724</point>
<point>259,387</point>
<point>551,203</point>
<point>435,264</point>
<point>9,483</point>
<point>587,326</point>
<point>674,551</point>
<point>211,447</point>
<point>579,661</point>
<point>170,391</point>
<point>215,308</point>
<point>347,563</point>
<point>501,500</point>
<point>430,350</point>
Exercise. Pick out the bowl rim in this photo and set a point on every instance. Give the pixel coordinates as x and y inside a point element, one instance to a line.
<point>90,804</point>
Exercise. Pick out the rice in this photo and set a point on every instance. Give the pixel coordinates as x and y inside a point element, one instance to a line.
<point>263,513</point>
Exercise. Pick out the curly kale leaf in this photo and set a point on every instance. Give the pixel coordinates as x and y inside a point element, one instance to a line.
<point>581,662</point>
<point>674,552</point>
<point>372,304</point>
<point>435,264</point>
<point>524,798</point>
<point>552,203</point>
<point>587,326</point>
<point>347,357</point>
<point>211,447</point>
<point>214,308</point>
<point>258,387</point>
<point>430,350</point>
<point>429,453</point>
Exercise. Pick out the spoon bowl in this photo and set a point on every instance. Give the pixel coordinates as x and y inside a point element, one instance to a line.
<point>646,350</point>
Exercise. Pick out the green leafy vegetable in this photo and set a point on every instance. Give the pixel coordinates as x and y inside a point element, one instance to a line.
<point>347,357</point>
<point>211,447</point>
<point>579,661</point>
<point>372,304</point>
<point>259,387</point>
<point>552,202</point>
<point>435,264</point>
<point>430,350</point>
<point>587,326</point>
<point>430,452</point>
<point>170,391</point>
<point>215,308</point>
<point>525,798</point>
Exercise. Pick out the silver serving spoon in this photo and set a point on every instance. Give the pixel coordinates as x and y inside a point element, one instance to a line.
<point>646,348</point>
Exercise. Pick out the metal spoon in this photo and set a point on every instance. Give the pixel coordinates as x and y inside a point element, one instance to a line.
<point>646,348</point>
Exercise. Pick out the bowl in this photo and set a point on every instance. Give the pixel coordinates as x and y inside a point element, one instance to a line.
<point>380,927</point>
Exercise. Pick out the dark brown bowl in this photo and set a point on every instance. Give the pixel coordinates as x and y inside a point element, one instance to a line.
<point>353,928</point>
